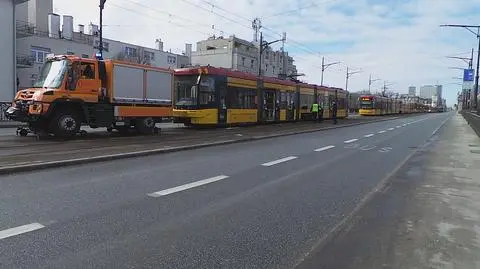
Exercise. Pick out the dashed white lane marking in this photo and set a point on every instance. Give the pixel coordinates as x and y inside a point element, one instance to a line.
<point>398,126</point>
<point>381,132</point>
<point>286,159</point>
<point>187,186</point>
<point>390,129</point>
<point>404,125</point>
<point>324,148</point>
<point>350,141</point>
<point>369,135</point>
<point>20,230</point>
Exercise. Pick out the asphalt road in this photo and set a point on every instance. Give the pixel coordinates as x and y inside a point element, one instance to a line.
<point>261,204</point>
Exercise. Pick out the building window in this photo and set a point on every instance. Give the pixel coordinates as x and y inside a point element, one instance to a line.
<point>273,67</point>
<point>106,45</point>
<point>171,59</point>
<point>129,51</point>
<point>266,67</point>
<point>243,61</point>
<point>252,63</point>
<point>39,55</point>
<point>148,55</point>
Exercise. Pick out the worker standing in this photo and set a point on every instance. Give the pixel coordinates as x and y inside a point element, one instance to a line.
<point>334,112</point>
<point>320,113</point>
<point>315,111</point>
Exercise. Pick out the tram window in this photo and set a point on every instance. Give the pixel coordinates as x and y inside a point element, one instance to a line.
<point>206,92</point>
<point>283,100</point>
<point>241,98</point>
<point>306,101</point>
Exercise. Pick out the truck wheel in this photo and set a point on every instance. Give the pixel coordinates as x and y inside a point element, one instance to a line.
<point>145,125</point>
<point>65,124</point>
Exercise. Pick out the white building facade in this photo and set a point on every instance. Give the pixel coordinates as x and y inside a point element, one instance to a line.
<point>241,55</point>
<point>57,34</point>
<point>7,47</point>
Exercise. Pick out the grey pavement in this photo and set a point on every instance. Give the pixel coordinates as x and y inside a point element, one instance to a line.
<point>427,216</point>
<point>259,204</point>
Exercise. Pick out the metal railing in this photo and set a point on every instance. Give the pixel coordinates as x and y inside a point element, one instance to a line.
<point>473,120</point>
<point>25,60</point>
<point>3,107</point>
<point>25,29</point>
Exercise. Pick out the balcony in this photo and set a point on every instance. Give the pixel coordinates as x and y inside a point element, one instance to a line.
<point>25,61</point>
<point>24,29</point>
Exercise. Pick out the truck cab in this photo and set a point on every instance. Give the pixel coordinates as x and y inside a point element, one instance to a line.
<point>56,102</point>
<point>72,91</point>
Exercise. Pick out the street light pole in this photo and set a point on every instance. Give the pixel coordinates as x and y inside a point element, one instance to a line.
<point>349,74</point>
<point>477,34</point>
<point>324,67</point>
<point>346,86</point>
<point>370,81</point>
<point>266,44</point>
<point>100,43</point>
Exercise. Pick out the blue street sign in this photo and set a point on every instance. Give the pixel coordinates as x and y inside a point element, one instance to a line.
<point>468,75</point>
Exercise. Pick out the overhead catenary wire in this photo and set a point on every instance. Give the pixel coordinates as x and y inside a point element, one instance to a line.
<point>157,18</point>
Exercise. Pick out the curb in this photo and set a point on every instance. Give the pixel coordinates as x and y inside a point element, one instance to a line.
<point>12,125</point>
<point>110,157</point>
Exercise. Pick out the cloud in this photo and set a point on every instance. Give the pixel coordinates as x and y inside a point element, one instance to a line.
<point>396,40</point>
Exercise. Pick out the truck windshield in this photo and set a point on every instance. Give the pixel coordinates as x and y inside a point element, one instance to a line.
<point>52,74</point>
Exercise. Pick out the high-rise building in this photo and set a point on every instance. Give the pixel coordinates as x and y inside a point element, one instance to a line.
<point>412,90</point>
<point>427,91</point>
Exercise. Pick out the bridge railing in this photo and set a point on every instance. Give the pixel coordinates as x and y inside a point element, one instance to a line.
<point>473,119</point>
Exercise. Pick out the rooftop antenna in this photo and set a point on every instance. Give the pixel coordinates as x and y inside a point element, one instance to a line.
<point>256,25</point>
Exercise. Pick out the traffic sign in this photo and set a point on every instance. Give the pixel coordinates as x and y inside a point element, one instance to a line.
<point>468,75</point>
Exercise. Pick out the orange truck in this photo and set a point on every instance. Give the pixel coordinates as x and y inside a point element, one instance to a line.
<point>73,91</point>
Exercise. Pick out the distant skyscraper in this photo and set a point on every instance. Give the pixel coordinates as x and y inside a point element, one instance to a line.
<point>427,91</point>
<point>412,90</point>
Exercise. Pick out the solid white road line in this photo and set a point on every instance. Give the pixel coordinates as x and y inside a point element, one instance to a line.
<point>350,141</point>
<point>381,132</point>
<point>390,129</point>
<point>369,135</point>
<point>20,230</point>
<point>286,159</point>
<point>187,186</point>
<point>325,148</point>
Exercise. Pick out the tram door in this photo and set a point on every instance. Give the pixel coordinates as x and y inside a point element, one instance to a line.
<point>222,102</point>
<point>270,105</point>
<point>290,106</point>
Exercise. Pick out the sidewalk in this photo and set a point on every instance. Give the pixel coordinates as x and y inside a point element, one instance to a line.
<point>428,215</point>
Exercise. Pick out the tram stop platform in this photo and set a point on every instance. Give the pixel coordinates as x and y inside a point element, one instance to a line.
<point>427,215</point>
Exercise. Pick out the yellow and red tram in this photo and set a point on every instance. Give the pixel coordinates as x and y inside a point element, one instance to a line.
<point>219,96</point>
<point>374,105</point>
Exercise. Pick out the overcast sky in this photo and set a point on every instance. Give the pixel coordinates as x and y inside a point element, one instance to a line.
<point>395,40</point>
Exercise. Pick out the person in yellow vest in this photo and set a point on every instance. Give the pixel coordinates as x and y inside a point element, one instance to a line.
<point>315,111</point>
